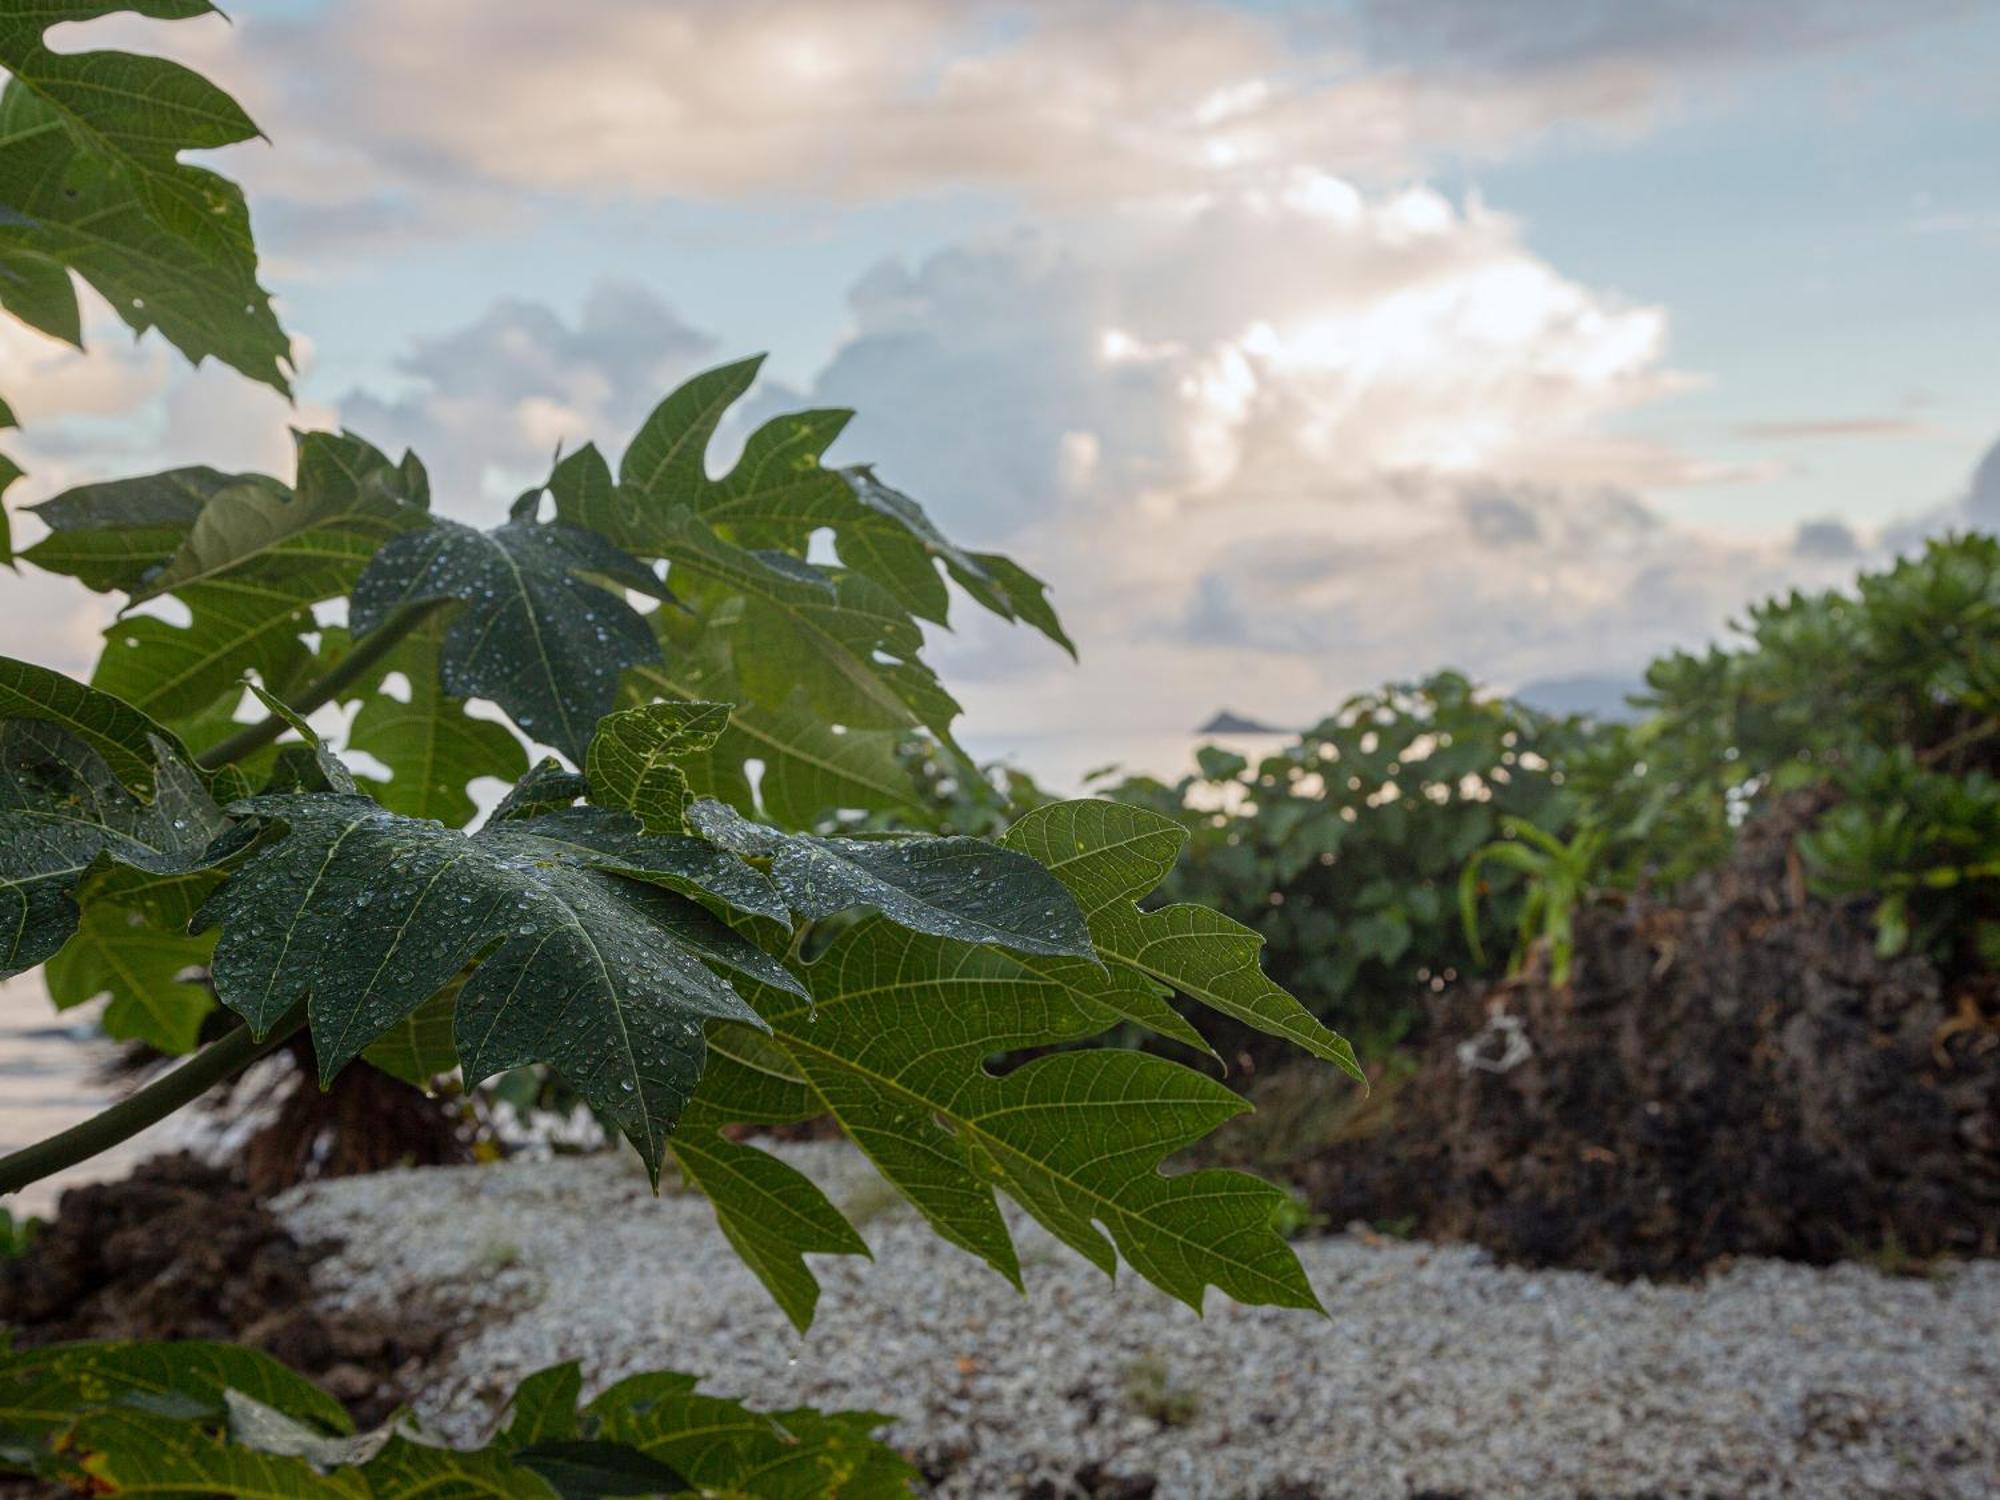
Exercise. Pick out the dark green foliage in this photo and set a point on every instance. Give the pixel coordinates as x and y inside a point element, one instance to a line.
<point>532,631</point>
<point>117,1419</point>
<point>91,182</point>
<point>682,947</point>
<point>1883,702</point>
<point>1878,709</point>
<point>1343,849</point>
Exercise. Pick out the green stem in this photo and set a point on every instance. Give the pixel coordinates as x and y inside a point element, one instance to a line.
<point>221,1059</point>
<point>368,653</point>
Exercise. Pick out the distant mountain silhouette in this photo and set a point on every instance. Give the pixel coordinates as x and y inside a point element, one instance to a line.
<point>1229,722</point>
<point>1600,695</point>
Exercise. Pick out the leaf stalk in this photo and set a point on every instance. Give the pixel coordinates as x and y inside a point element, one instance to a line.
<point>220,1059</point>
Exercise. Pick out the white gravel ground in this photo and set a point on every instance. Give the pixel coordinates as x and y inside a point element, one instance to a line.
<point>1438,1373</point>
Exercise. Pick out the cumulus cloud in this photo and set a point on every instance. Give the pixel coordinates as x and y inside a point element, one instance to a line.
<point>489,403</point>
<point>1272,446</point>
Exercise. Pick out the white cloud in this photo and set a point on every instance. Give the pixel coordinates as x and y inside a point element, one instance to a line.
<point>489,403</point>
<point>398,118</point>
<point>1272,447</point>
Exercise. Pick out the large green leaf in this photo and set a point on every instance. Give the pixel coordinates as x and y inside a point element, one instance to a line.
<point>125,740</point>
<point>112,535</point>
<point>347,500</point>
<point>724,1448</point>
<point>1111,856</point>
<point>808,768</point>
<point>123,1452</point>
<point>962,888</point>
<point>779,494</point>
<point>41,1390</point>
<point>63,815</point>
<point>532,631</point>
<point>895,1047</point>
<point>90,171</point>
<point>205,1419</point>
<point>370,914</point>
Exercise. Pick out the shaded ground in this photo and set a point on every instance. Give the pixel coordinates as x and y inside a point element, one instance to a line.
<point>182,1250</point>
<point>1737,1073</point>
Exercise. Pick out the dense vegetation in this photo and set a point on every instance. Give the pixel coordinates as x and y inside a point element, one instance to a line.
<point>1877,709</point>
<point>650,913</point>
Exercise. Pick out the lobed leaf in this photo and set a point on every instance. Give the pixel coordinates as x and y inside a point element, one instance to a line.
<point>532,632</point>
<point>367,915</point>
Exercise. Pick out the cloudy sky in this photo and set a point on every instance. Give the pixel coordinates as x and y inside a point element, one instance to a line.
<point>1300,345</point>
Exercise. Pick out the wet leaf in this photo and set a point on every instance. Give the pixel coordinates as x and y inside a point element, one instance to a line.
<point>533,632</point>
<point>370,914</point>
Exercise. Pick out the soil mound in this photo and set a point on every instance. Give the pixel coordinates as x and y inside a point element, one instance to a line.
<point>182,1250</point>
<point>1733,1073</point>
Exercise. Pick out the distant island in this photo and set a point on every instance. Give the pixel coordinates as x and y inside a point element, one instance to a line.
<point>1228,722</point>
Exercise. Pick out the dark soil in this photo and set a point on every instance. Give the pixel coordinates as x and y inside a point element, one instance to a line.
<point>182,1250</point>
<point>1733,1073</point>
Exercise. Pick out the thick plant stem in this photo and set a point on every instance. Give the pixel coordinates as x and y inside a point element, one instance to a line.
<point>377,644</point>
<point>219,1060</point>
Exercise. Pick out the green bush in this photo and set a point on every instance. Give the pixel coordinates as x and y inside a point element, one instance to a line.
<point>1344,848</point>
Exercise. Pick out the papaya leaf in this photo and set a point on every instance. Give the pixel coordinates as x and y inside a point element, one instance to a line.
<point>332,773</point>
<point>116,953</point>
<point>895,1048</point>
<point>723,1447</point>
<point>90,169</point>
<point>1110,855</point>
<point>112,535</point>
<point>962,888</point>
<point>772,1214</point>
<point>778,494</point>
<point>544,1407</point>
<point>42,1389</point>
<point>347,501</point>
<point>128,743</point>
<point>810,767</point>
<point>843,638</point>
<point>592,1469</point>
<point>431,745</point>
<point>409,1470</point>
<point>63,815</point>
<point>254,562</point>
<point>125,1452</point>
<point>37,290</point>
<point>419,1048</point>
<point>633,759</point>
<point>78,209</point>
<point>532,632</point>
<point>369,914</point>
<point>667,456</point>
<point>614,841</point>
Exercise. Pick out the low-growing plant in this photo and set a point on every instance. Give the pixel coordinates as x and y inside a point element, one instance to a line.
<point>655,912</point>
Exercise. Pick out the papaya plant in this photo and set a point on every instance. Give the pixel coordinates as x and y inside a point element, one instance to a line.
<point>668,909</point>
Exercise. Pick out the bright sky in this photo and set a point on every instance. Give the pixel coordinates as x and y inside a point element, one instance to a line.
<point>1299,345</point>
